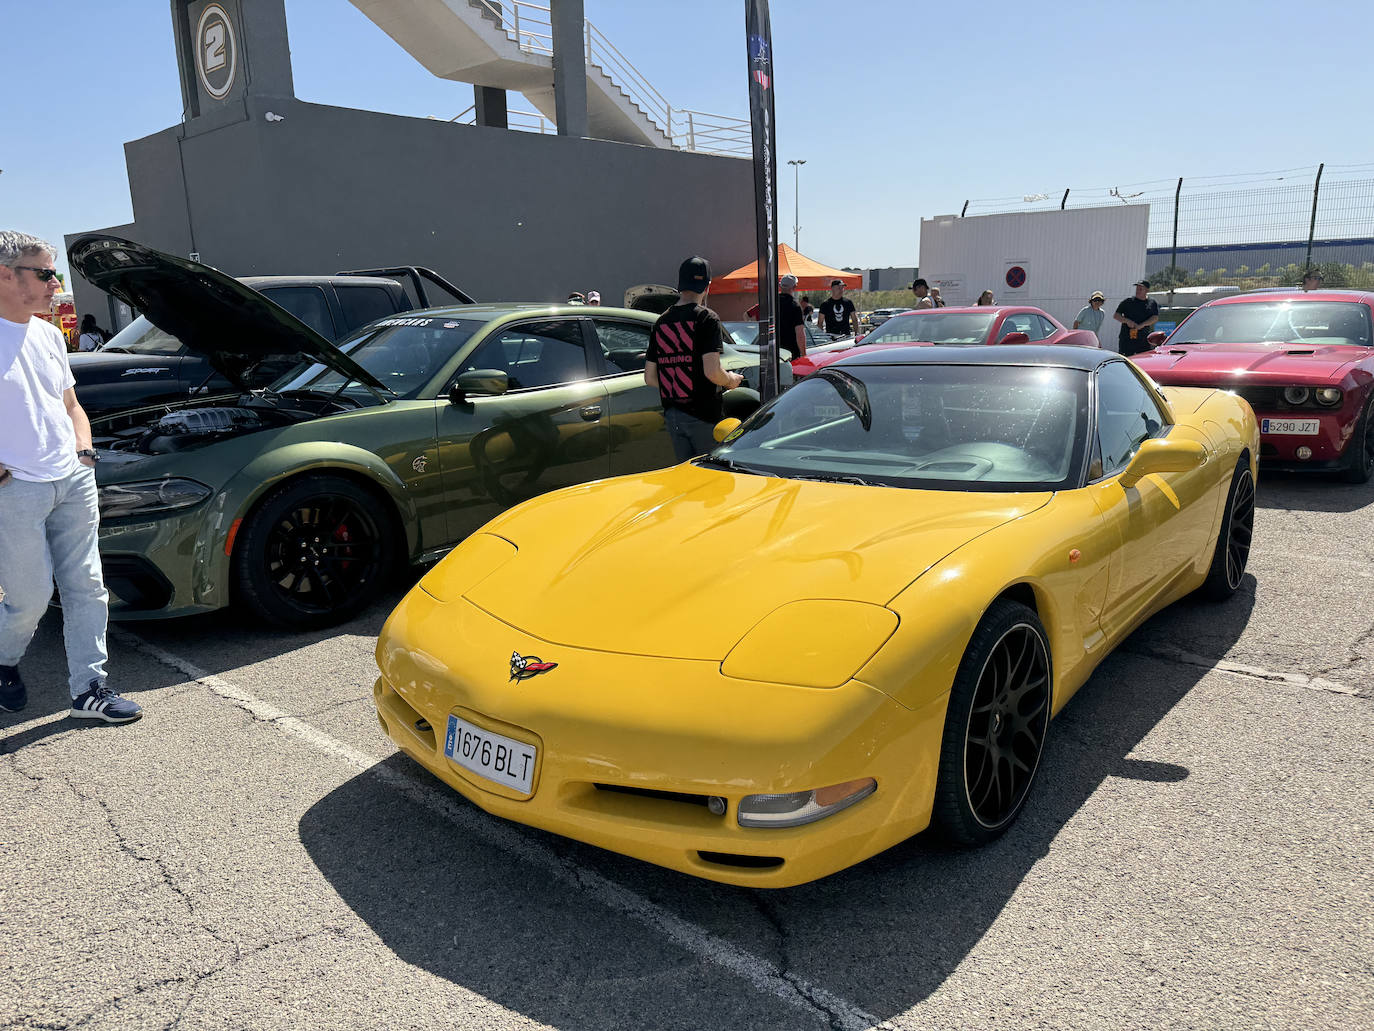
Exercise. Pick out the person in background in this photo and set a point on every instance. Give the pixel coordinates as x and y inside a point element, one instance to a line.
<point>1312,279</point>
<point>791,328</point>
<point>1091,315</point>
<point>1136,315</point>
<point>837,311</point>
<point>576,297</point>
<point>683,364</point>
<point>49,510</point>
<point>935,298</point>
<point>985,299</point>
<point>922,291</point>
<point>808,312</point>
<point>92,336</point>
<point>593,298</point>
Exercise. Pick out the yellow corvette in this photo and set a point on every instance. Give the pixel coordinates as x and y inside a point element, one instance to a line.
<point>852,620</point>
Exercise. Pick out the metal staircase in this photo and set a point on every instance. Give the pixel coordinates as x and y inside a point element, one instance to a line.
<point>508,44</point>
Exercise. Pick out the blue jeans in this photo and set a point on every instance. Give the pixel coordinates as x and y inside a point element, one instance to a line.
<point>47,531</point>
<point>690,436</point>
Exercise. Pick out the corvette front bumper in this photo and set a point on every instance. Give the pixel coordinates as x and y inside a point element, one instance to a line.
<point>630,747</point>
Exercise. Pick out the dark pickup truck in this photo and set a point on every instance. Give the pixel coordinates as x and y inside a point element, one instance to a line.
<point>142,365</point>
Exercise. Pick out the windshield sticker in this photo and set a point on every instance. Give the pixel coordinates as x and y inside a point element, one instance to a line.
<point>405,322</point>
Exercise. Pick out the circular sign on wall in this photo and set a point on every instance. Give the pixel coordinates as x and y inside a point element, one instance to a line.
<point>217,51</point>
<point>1016,277</point>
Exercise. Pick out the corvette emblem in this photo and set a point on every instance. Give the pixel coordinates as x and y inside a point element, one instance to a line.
<point>522,667</point>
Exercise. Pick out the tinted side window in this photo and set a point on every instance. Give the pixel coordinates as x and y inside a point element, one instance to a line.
<point>308,304</point>
<point>536,354</point>
<point>1126,415</point>
<point>1046,330</point>
<point>624,344</point>
<point>1018,323</point>
<point>362,304</point>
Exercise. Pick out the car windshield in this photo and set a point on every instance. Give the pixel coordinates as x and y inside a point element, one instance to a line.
<point>404,353</point>
<point>1288,320</point>
<point>745,336</point>
<point>933,427</point>
<point>142,337</point>
<point>933,327</point>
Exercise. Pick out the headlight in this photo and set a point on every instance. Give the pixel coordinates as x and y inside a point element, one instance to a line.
<point>811,643</point>
<point>1329,396</point>
<point>1296,395</point>
<point>148,496</point>
<point>798,807</point>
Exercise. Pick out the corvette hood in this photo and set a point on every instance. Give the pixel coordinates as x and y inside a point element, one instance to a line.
<point>1271,362</point>
<point>209,312</point>
<point>684,561</point>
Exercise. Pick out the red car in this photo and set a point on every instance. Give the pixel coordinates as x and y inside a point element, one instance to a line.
<point>974,325</point>
<point>1304,361</point>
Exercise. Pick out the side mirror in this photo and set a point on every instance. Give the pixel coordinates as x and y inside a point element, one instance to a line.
<point>1015,338</point>
<point>1155,339</point>
<point>1163,455</point>
<point>740,402</point>
<point>478,381</point>
<point>859,340</point>
<point>724,428</point>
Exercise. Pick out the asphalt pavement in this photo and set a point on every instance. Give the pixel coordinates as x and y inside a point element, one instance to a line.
<point>255,854</point>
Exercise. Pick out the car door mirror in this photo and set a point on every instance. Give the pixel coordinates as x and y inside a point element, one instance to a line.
<point>1163,455</point>
<point>1155,339</point>
<point>724,428</point>
<point>478,381</point>
<point>1015,338</point>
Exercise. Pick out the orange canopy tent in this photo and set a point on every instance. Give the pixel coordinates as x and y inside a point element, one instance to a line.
<point>811,275</point>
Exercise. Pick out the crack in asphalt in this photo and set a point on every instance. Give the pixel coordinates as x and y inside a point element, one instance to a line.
<point>1304,680</point>
<point>1354,657</point>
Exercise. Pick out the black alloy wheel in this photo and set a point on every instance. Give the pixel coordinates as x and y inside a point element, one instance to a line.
<point>1233,541</point>
<point>315,552</point>
<point>995,728</point>
<point>1361,465</point>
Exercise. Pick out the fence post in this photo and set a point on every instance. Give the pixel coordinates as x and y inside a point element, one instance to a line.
<point>515,10</point>
<point>587,42</point>
<point>1312,227</point>
<point>962,210</point>
<point>1064,201</point>
<point>691,132</point>
<point>1173,252</point>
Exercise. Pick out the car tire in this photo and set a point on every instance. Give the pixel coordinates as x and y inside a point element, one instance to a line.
<point>1232,550</point>
<point>315,552</point>
<point>995,727</point>
<point>1361,465</point>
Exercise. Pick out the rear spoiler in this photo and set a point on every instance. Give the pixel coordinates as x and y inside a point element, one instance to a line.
<point>415,276</point>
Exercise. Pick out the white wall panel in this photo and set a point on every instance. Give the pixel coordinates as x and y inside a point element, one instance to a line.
<point>1065,256</point>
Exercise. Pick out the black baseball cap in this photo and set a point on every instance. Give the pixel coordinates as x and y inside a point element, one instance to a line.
<point>920,282</point>
<point>694,274</point>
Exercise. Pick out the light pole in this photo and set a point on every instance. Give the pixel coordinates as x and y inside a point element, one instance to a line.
<point>796,198</point>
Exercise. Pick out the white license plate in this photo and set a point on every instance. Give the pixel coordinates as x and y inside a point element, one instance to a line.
<point>1299,427</point>
<point>494,757</point>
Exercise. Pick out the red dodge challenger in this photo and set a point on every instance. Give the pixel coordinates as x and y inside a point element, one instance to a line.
<point>1303,360</point>
<point>975,325</point>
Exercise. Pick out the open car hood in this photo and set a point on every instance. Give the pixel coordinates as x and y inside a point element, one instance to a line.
<point>236,327</point>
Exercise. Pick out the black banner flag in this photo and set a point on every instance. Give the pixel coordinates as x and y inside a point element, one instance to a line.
<point>760,39</point>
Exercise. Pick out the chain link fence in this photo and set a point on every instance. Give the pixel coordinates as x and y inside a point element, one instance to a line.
<point>1247,231</point>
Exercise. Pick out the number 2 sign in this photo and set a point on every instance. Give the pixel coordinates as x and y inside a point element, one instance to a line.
<point>216,51</point>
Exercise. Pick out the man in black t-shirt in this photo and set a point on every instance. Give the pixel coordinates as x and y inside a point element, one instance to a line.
<point>683,362</point>
<point>1136,315</point>
<point>791,321</point>
<point>838,312</point>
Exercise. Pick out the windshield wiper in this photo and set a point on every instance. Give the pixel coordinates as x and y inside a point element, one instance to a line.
<point>733,466</point>
<point>837,478</point>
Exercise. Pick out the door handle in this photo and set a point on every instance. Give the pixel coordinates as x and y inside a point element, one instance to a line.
<point>591,413</point>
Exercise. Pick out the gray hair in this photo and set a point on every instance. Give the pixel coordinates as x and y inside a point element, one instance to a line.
<point>14,245</point>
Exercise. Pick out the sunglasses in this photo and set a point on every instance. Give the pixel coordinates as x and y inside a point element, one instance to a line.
<point>45,275</point>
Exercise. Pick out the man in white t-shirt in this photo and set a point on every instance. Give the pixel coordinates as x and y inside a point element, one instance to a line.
<point>49,510</point>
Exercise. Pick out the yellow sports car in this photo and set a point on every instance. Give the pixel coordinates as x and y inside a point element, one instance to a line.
<point>852,620</point>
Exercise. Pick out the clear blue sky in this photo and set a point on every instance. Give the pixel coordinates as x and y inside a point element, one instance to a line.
<point>901,109</point>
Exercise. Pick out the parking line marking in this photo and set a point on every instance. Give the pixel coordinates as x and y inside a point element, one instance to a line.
<point>793,990</point>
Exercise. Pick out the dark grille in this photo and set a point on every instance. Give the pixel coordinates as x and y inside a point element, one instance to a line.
<point>136,581</point>
<point>665,796</point>
<point>748,862</point>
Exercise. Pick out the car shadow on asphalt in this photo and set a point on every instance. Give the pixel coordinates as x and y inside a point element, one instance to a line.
<point>902,921</point>
<point>1312,492</point>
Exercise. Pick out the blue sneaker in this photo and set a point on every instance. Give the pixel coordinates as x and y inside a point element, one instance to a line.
<point>13,694</point>
<point>100,703</point>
